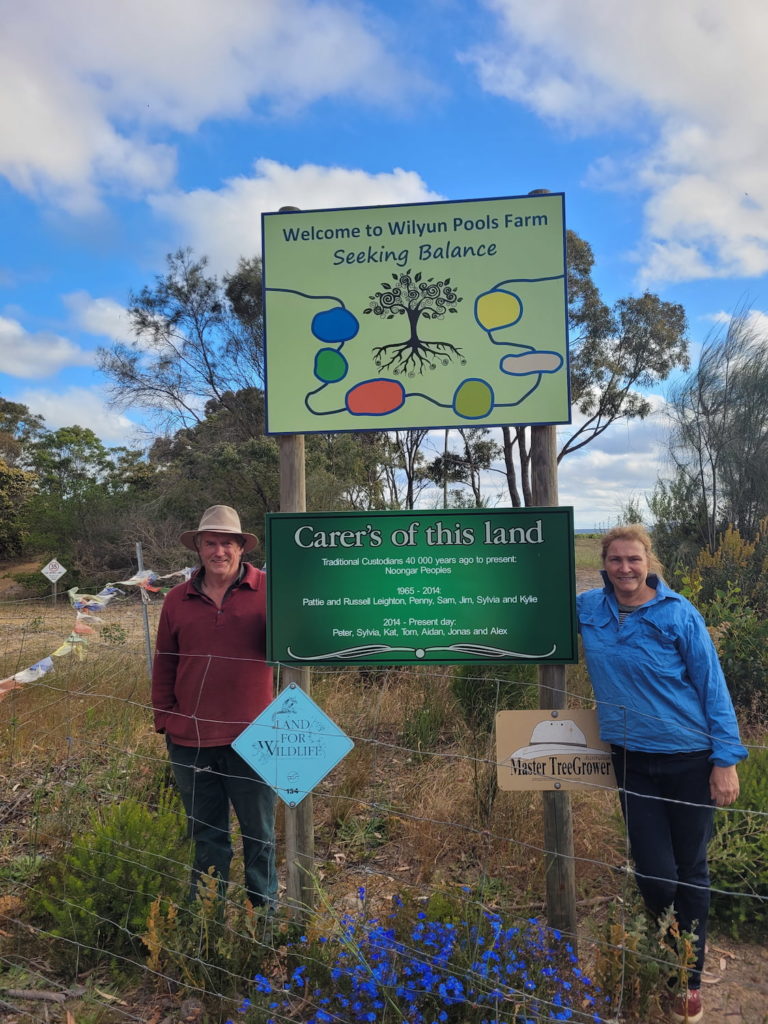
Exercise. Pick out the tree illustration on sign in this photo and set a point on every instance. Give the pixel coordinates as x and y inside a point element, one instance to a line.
<point>414,297</point>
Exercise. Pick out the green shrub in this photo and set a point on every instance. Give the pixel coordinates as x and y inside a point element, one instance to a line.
<point>482,690</point>
<point>114,634</point>
<point>742,644</point>
<point>730,588</point>
<point>206,945</point>
<point>34,583</point>
<point>738,856</point>
<point>97,895</point>
<point>636,959</point>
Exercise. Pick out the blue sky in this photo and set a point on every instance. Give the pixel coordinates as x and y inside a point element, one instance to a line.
<point>130,129</point>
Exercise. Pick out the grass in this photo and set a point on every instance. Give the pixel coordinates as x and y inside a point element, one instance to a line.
<point>587,551</point>
<point>412,808</point>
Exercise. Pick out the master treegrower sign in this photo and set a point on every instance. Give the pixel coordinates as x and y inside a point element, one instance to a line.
<point>414,587</point>
<point>429,315</point>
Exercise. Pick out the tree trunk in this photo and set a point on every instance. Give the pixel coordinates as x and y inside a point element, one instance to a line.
<point>509,465</point>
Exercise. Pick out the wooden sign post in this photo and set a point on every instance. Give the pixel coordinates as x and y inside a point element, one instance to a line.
<point>560,873</point>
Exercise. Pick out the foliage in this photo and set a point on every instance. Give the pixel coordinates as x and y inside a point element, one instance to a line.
<point>738,856</point>
<point>206,945</point>
<point>416,967</point>
<point>466,466</point>
<point>191,345</point>
<point>99,891</point>
<point>18,426</point>
<point>482,690</point>
<point>614,351</point>
<point>34,583</point>
<point>423,725</point>
<point>736,562</point>
<point>113,634</point>
<point>730,587</point>
<point>15,491</point>
<point>719,440</point>
<point>80,487</point>
<point>636,959</point>
<point>679,524</point>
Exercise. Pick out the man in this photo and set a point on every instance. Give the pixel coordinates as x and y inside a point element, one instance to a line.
<point>208,683</point>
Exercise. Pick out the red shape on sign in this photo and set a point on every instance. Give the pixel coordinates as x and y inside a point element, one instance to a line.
<point>376,397</point>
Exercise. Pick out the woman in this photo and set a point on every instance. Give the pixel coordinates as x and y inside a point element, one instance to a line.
<point>664,707</point>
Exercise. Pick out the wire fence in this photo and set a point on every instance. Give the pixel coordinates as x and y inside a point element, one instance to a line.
<point>413,810</point>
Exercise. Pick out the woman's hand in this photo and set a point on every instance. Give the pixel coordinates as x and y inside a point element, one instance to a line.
<point>724,784</point>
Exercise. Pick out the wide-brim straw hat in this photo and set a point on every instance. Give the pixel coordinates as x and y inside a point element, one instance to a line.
<point>219,519</point>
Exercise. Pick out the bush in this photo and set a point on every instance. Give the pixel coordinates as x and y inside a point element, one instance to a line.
<point>205,945</point>
<point>737,564</point>
<point>730,588</point>
<point>742,643</point>
<point>34,583</point>
<point>738,856</point>
<point>460,969</point>
<point>637,958</point>
<point>97,896</point>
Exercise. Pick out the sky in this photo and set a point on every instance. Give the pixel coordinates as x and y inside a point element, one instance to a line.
<point>130,129</point>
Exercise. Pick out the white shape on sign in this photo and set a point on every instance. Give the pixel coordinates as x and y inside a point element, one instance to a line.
<point>54,570</point>
<point>292,745</point>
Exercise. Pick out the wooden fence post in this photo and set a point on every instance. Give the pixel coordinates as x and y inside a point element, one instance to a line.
<point>560,873</point>
<point>299,820</point>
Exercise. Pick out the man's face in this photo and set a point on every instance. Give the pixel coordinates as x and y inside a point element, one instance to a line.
<point>220,554</point>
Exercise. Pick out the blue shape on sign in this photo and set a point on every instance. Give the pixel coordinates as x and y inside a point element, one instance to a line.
<point>292,745</point>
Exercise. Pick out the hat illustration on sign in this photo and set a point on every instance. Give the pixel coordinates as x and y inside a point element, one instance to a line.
<point>558,737</point>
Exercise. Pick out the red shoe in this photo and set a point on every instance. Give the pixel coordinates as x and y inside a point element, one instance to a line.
<point>686,1008</point>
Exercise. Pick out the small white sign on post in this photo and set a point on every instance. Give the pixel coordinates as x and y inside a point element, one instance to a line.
<point>53,571</point>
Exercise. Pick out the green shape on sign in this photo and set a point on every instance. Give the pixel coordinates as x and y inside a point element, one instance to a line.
<point>330,365</point>
<point>473,399</point>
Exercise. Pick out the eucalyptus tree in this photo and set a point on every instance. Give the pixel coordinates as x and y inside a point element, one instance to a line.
<point>615,352</point>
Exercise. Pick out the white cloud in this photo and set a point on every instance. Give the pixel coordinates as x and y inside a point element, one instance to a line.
<point>599,481</point>
<point>679,79</point>
<point>89,91</point>
<point>226,223</point>
<point>23,354</point>
<point>86,407</point>
<point>102,317</point>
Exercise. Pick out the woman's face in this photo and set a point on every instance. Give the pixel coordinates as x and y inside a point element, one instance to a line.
<point>626,564</point>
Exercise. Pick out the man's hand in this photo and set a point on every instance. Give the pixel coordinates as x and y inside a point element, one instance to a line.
<point>724,784</point>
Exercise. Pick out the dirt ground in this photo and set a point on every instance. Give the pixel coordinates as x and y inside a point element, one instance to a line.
<point>735,986</point>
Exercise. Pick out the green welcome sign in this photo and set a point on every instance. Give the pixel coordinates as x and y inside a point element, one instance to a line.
<point>415,587</point>
<point>429,315</point>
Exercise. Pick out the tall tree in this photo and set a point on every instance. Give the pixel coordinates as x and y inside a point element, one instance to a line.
<point>719,437</point>
<point>15,491</point>
<point>196,340</point>
<point>79,486</point>
<point>18,426</point>
<point>476,455</point>
<point>614,352</point>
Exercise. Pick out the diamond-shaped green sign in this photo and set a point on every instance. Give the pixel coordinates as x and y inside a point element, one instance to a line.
<point>292,745</point>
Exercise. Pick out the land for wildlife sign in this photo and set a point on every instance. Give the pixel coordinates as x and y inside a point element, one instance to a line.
<point>429,315</point>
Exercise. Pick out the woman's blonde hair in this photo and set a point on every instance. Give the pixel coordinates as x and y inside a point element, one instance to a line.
<point>636,532</point>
